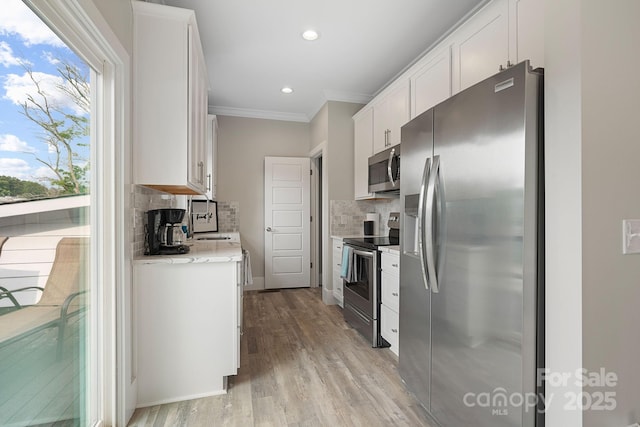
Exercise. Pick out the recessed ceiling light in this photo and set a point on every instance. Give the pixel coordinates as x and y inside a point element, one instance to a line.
<point>310,35</point>
<point>286,89</point>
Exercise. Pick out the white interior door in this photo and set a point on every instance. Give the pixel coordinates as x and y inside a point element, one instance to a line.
<point>287,206</point>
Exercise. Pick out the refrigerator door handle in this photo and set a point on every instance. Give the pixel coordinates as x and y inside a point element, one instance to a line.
<point>389,171</point>
<point>429,220</point>
<point>421,218</point>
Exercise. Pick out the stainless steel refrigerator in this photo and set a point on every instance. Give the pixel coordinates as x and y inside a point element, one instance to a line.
<point>471,268</point>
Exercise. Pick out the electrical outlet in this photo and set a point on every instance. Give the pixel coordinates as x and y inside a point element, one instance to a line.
<point>631,236</point>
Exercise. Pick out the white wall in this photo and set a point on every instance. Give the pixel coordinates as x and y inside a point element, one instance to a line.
<point>610,193</point>
<point>592,108</point>
<point>333,124</point>
<point>563,188</point>
<point>119,16</point>
<point>243,143</point>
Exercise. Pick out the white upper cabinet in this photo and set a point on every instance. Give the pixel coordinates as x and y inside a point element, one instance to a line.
<point>362,150</point>
<point>212,156</point>
<point>529,18</point>
<point>170,87</point>
<point>499,35</point>
<point>481,46</point>
<point>431,84</point>
<point>389,114</point>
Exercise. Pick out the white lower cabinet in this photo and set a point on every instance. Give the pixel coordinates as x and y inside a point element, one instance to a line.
<point>187,320</point>
<point>390,303</point>
<point>337,269</point>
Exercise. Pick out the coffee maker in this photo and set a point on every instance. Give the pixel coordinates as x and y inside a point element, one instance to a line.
<point>164,235</point>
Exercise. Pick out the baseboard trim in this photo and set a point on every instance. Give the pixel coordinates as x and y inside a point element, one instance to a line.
<point>258,284</point>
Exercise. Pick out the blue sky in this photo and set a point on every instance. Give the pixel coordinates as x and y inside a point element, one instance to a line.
<point>24,39</point>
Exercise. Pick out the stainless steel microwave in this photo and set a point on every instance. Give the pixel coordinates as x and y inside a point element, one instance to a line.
<point>384,170</point>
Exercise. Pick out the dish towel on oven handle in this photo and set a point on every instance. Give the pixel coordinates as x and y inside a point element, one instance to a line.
<point>247,278</point>
<point>348,271</point>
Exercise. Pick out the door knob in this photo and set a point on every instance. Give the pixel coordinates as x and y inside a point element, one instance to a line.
<point>269,229</point>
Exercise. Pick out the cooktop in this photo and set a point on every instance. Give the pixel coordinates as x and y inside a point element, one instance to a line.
<point>372,242</point>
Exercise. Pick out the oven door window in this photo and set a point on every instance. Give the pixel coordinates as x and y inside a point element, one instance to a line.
<point>359,293</point>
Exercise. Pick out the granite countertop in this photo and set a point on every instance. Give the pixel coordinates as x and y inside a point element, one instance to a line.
<point>395,249</point>
<point>354,236</point>
<point>201,251</point>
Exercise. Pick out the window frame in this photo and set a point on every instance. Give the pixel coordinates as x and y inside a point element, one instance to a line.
<point>83,28</point>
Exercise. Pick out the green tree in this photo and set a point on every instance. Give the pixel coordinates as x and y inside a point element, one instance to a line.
<point>10,186</point>
<point>63,130</point>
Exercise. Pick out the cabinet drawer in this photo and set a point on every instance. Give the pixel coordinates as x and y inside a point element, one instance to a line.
<point>337,260</point>
<point>391,291</point>
<point>337,287</point>
<point>389,326</point>
<point>337,254</point>
<point>391,264</point>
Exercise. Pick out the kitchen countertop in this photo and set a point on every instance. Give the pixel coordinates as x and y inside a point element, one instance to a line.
<point>202,251</point>
<point>395,249</point>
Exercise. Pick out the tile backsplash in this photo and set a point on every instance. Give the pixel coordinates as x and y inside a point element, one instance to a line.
<point>144,200</point>
<point>147,198</point>
<point>347,216</point>
<point>228,217</point>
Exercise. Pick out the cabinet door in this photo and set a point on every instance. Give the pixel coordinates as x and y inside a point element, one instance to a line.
<point>362,150</point>
<point>481,46</point>
<point>529,16</point>
<point>389,327</point>
<point>391,281</point>
<point>337,269</point>
<point>398,112</point>
<point>389,115</point>
<point>432,83</point>
<point>197,137</point>
<point>212,156</point>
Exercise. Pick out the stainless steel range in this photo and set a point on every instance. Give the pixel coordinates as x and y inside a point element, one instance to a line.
<point>362,281</point>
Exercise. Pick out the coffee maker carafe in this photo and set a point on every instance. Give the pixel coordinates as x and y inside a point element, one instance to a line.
<point>164,235</point>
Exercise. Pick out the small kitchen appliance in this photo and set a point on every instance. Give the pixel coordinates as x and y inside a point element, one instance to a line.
<point>164,235</point>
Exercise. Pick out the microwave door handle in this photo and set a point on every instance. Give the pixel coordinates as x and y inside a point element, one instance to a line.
<point>421,237</point>
<point>389,171</point>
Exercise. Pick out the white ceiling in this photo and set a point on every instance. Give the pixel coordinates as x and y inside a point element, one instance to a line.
<point>254,47</point>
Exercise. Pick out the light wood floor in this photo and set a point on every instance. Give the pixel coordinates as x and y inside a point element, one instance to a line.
<point>301,365</point>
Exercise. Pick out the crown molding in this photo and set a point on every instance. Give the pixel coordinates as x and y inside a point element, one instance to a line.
<point>258,114</point>
<point>341,96</point>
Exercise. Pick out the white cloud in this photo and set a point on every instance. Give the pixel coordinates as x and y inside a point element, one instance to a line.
<point>17,168</point>
<point>10,142</point>
<point>18,19</point>
<point>50,58</point>
<point>43,173</point>
<point>6,55</point>
<point>17,87</point>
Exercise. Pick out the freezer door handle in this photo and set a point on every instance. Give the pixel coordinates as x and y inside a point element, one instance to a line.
<point>429,220</point>
<point>421,218</point>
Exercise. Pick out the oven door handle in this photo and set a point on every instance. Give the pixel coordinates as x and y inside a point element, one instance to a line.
<point>365,254</point>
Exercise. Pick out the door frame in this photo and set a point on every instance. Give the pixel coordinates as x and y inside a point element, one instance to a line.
<point>306,204</point>
<point>79,23</point>
<point>319,151</point>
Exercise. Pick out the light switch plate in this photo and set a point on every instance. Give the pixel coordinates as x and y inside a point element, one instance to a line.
<point>631,236</point>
